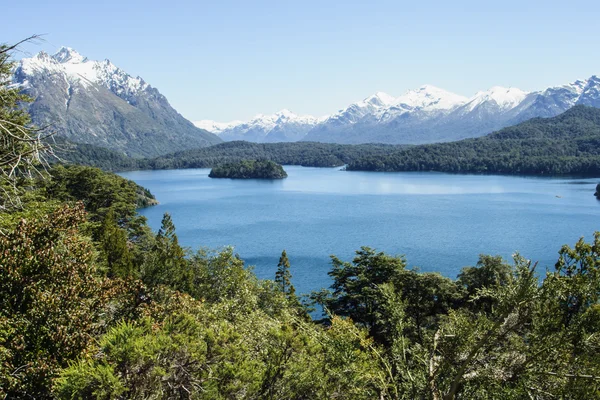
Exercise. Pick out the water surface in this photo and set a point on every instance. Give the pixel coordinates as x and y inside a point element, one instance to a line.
<point>440,222</point>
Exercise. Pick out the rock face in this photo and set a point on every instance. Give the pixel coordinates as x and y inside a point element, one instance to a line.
<point>97,103</point>
<point>249,169</point>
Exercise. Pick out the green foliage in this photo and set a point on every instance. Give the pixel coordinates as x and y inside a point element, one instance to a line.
<point>283,276</point>
<point>308,154</point>
<point>491,272</point>
<point>165,264</point>
<point>566,144</point>
<point>76,323</point>
<point>356,292</point>
<point>249,169</point>
<point>98,190</point>
<point>94,156</point>
<point>115,249</point>
<point>49,302</point>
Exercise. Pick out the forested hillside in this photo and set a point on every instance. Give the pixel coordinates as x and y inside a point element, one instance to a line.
<point>301,153</point>
<point>566,144</point>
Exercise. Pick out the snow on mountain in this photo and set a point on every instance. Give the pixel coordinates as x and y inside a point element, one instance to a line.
<point>429,97</point>
<point>98,103</point>
<point>77,68</point>
<point>427,100</point>
<point>504,98</point>
<point>283,125</point>
<point>214,126</point>
<point>590,96</point>
<point>423,115</point>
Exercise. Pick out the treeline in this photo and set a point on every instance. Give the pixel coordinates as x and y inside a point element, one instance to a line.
<point>307,154</point>
<point>93,304</point>
<point>566,144</point>
<point>70,153</point>
<point>249,169</point>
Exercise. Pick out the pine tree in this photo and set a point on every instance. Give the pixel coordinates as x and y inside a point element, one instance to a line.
<point>167,264</point>
<point>283,277</point>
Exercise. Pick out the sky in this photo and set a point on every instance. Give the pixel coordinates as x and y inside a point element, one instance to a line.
<point>226,60</point>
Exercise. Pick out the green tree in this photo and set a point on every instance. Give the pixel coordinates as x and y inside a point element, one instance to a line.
<point>166,264</point>
<point>356,293</point>
<point>283,276</point>
<point>491,271</point>
<point>115,250</point>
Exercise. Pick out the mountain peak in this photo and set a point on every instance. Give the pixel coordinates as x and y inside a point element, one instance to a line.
<point>68,55</point>
<point>506,98</point>
<point>285,113</point>
<point>430,97</point>
<point>380,98</point>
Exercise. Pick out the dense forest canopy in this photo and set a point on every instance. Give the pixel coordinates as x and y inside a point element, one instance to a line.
<point>566,144</point>
<point>93,304</point>
<point>307,154</point>
<point>249,169</point>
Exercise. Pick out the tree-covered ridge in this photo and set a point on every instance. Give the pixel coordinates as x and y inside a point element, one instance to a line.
<point>70,153</point>
<point>566,144</point>
<point>307,154</point>
<point>299,153</point>
<point>249,169</point>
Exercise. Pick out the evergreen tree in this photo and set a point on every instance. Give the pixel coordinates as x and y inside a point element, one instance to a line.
<point>114,246</point>
<point>167,264</point>
<point>283,276</point>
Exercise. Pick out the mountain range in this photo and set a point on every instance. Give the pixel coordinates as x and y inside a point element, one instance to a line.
<point>425,115</point>
<point>95,102</point>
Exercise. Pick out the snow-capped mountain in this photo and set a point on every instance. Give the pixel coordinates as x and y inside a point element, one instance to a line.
<point>498,98</point>
<point>216,127</point>
<point>96,102</point>
<point>407,113</point>
<point>283,126</point>
<point>424,115</point>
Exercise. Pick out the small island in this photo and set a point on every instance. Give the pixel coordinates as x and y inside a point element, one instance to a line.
<point>249,169</point>
<point>597,194</point>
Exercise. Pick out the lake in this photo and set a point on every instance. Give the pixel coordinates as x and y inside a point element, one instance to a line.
<point>440,222</point>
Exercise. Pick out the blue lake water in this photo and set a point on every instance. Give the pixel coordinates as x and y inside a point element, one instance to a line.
<point>440,222</point>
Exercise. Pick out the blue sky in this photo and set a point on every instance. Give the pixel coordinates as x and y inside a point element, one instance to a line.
<point>227,60</point>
